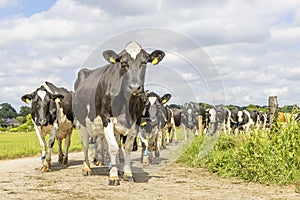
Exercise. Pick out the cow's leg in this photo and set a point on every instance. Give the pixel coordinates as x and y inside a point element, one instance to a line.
<point>186,134</point>
<point>174,136</point>
<point>51,140</point>
<point>113,148</point>
<point>67,146</point>
<point>128,148</point>
<point>164,138</point>
<point>145,146</point>
<point>42,142</point>
<point>99,156</point>
<point>60,152</point>
<point>86,170</point>
<point>158,143</point>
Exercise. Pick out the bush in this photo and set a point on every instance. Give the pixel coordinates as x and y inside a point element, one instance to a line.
<point>13,130</point>
<point>24,127</point>
<point>3,129</point>
<point>261,156</point>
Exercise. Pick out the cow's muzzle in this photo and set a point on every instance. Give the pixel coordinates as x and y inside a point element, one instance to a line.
<point>42,122</point>
<point>136,89</point>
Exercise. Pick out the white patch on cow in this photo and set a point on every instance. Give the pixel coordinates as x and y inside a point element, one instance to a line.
<point>121,129</point>
<point>189,111</point>
<point>94,127</point>
<point>41,94</point>
<point>240,116</point>
<point>111,141</point>
<point>47,88</point>
<point>133,49</point>
<point>213,115</point>
<point>88,107</point>
<point>152,100</point>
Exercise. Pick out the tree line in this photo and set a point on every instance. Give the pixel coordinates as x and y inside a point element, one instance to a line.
<point>11,119</point>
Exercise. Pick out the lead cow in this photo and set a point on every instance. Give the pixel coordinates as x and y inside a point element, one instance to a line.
<point>51,111</point>
<point>109,100</point>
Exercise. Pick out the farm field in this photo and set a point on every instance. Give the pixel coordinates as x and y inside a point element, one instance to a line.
<point>24,144</point>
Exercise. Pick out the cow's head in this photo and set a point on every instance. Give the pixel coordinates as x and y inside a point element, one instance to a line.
<point>240,115</point>
<point>155,108</point>
<point>43,106</point>
<point>190,115</point>
<point>132,62</point>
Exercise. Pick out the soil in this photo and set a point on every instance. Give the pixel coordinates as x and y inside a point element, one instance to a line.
<point>162,180</point>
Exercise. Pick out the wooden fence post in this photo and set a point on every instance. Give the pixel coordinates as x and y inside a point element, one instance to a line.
<point>273,109</point>
<point>200,124</point>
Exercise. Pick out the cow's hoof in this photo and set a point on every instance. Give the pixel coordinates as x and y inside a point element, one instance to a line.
<point>98,163</point>
<point>114,181</point>
<point>60,160</point>
<point>66,163</point>
<point>157,154</point>
<point>128,177</point>
<point>86,171</point>
<point>146,160</point>
<point>45,169</point>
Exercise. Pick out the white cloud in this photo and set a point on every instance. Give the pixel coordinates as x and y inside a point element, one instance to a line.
<point>256,50</point>
<point>9,3</point>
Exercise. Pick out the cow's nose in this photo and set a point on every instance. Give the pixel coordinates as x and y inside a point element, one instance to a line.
<point>42,122</point>
<point>136,88</point>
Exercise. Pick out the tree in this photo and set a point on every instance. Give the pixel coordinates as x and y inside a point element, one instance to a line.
<point>21,119</point>
<point>7,111</point>
<point>24,111</point>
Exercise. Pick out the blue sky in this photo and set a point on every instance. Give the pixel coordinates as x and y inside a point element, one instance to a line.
<point>23,8</point>
<point>254,46</point>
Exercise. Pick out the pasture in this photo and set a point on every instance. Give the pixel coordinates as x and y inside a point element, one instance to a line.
<point>24,144</point>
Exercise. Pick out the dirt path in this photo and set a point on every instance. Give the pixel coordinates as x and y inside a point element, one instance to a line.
<point>163,180</point>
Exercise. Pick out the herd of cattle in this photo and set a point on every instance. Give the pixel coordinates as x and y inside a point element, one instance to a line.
<point>112,107</point>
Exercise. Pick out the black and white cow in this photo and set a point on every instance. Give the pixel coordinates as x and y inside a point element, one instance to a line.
<point>153,123</point>
<point>109,100</point>
<point>174,121</point>
<point>234,120</point>
<point>51,111</point>
<point>247,119</point>
<point>262,120</point>
<point>190,115</point>
<point>218,120</point>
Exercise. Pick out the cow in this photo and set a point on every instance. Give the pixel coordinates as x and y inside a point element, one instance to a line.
<point>174,121</point>
<point>109,101</point>
<point>154,122</point>
<point>51,111</point>
<point>247,119</point>
<point>234,125</point>
<point>262,120</point>
<point>190,115</point>
<point>218,120</point>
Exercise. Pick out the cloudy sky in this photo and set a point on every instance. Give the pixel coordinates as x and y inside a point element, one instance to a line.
<point>220,51</point>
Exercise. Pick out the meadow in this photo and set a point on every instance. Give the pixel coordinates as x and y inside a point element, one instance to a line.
<point>24,144</point>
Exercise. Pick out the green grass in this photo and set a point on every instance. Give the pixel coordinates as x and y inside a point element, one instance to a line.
<point>271,157</point>
<point>24,144</point>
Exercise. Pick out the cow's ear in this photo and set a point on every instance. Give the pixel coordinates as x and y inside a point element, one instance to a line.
<point>156,56</point>
<point>111,56</point>
<point>57,97</point>
<point>27,98</point>
<point>164,99</point>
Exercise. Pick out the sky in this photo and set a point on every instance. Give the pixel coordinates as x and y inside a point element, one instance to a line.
<point>219,51</point>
